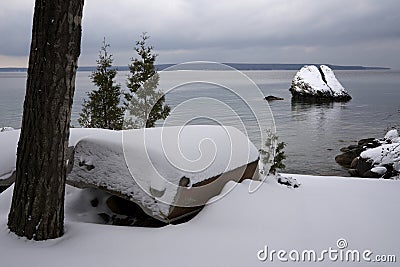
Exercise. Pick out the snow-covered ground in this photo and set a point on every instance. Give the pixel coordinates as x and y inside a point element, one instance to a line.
<point>233,230</point>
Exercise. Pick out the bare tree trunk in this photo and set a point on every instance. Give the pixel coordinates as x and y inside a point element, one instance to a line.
<point>37,209</point>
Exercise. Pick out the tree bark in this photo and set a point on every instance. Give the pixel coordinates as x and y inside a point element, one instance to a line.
<point>37,209</point>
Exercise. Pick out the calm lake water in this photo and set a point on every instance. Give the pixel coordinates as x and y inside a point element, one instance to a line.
<point>314,133</point>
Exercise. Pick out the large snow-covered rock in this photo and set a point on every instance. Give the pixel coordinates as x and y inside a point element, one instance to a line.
<point>320,84</point>
<point>169,171</point>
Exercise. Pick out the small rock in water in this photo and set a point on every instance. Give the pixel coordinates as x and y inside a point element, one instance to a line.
<point>273,98</point>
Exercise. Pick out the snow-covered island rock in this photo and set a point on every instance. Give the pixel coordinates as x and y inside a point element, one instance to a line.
<point>318,84</point>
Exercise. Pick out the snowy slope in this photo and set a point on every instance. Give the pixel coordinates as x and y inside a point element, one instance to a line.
<point>231,231</point>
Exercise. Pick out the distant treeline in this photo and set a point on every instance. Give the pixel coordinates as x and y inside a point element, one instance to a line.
<point>238,66</point>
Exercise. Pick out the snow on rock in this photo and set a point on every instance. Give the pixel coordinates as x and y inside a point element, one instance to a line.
<point>379,170</point>
<point>311,82</point>
<point>392,135</point>
<point>386,156</point>
<point>147,165</point>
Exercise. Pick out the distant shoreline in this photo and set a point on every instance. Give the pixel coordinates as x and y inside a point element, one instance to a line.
<point>238,66</point>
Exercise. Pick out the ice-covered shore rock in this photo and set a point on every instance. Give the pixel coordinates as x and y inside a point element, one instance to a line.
<point>317,84</point>
<point>373,158</point>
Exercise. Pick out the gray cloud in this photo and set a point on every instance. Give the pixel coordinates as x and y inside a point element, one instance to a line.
<point>335,31</point>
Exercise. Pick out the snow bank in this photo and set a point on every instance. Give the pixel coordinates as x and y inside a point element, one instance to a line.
<point>231,231</point>
<point>311,81</point>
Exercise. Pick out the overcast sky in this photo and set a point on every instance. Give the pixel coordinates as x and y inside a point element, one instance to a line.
<point>343,32</point>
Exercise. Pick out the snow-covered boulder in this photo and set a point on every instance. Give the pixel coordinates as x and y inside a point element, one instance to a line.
<point>318,84</point>
<point>170,171</point>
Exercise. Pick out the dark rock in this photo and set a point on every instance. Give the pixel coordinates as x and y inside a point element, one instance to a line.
<point>370,174</point>
<point>390,171</point>
<point>354,163</point>
<point>106,218</point>
<point>94,202</point>
<point>122,206</point>
<point>272,98</point>
<point>288,181</point>
<point>184,181</point>
<point>128,213</point>
<point>369,142</point>
<point>346,158</point>
<point>363,166</point>
<point>354,173</point>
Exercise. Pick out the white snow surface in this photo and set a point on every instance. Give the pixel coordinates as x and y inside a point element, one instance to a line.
<point>8,153</point>
<point>6,129</point>
<point>135,162</point>
<point>309,80</point>
<point>392,135</point>
<point>231,231</point>
<point>332,81</point>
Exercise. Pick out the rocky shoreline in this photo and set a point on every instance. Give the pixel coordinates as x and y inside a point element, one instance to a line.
<point>373,158</point>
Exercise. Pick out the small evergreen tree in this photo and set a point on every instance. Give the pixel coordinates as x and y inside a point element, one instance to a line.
<point>146,103</point>
<point>275,160</point>
<point>103,109</point>
<point>279,158</point>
